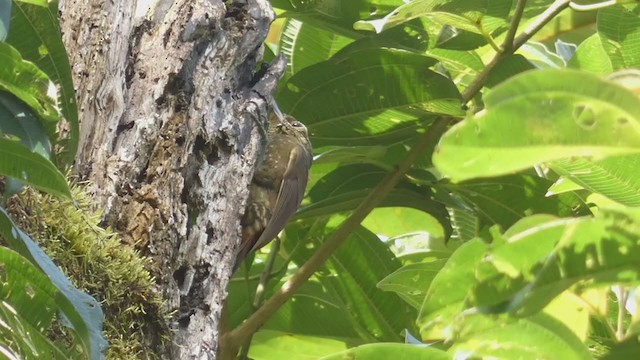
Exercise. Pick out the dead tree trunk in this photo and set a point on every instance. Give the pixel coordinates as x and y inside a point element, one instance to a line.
<point>169,140</point>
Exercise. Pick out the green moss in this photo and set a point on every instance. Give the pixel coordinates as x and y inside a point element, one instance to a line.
<point>99,263</point>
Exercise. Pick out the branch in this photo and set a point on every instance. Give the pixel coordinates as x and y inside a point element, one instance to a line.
<point>591,7</point>
<point>511,45</point>
<point>239,335</point>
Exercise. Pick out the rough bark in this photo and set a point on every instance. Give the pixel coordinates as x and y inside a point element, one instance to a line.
<point>169,139</point>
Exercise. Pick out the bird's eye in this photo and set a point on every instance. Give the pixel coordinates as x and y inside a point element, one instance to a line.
<point>297,124</point>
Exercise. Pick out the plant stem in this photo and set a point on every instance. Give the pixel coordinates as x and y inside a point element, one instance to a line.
<point>253,323</point>
<point>262,285</point>
<point>512,44</point>
<point>622,311</point>
<point>591,7</point>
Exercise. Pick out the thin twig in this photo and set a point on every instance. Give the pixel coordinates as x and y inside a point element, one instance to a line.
<point>507,45</point>
<point>591,7</point>
<point>512,46</point>
<point>260,290</point>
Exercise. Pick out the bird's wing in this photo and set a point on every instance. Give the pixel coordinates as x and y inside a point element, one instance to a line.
<point>289,197</point>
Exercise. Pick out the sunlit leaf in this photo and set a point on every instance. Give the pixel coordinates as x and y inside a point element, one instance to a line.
<point>541,116</point>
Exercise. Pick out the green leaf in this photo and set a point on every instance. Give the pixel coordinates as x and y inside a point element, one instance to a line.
<point>384,351</point>
<point>619,30</point>
<point>465,224</point>
<point>31,169</point>
<point>22,340</point>
<point>35,33</point>
<point>307,43</point>
<point>360,263</point>
<point>538,337</point>
<point>24,80</point>
<point>411,282</point>
<point>626,349</point>
<point>80,310</point>
<point>539,55</point>
<point>458,61</point>
<point>539,261</point>
<point>368,97</point>
<point>344,188</point>
<point>445,298</point>
<point>507,199</point>
<point>541,116</point>
<point>300,316</point>
<point>395,221</point>
<point>591,57</point>
<point>615,177</point>
<point>481,17</point>
<point>28,290</point>
<point>352,154</point>
<point>507,68</point>
<point>17,119</point>
<point>510,264</point>
<point>34,2</point>
<point>269,344</point>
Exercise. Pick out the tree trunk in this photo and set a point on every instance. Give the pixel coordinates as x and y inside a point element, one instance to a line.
<point>169,139</point>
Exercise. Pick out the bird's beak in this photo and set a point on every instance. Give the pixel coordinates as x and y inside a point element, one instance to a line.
<point>276,110</point>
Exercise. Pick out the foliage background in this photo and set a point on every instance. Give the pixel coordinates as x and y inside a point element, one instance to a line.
<point>473,193</point>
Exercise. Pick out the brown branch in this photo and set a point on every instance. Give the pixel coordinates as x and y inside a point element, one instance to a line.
<point>374,198</point>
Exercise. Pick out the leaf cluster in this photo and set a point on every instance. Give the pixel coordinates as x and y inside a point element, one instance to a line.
<point>474,185</point>
<point>43,314</point>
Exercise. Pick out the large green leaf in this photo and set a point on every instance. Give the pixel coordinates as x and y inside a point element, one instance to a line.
<point>314,311</point>
<point>365,96</point>
<point>344,188</point>
<point>536,262</point>
<point>538,337</point>
<point>22,340</point>
<point>619,30</point>
<point>383,351</point>
<point>541,116</point>
<point>35,33</point>
<point>397,221</point>
<point>350,286</point>
<point>507,199</point>
<point>590,56</point>
<point>80,311</point>
<point>615,177</point>
<point>445,298</point>
<point>17,119</point>
<point>411,282</point>
<point>517,254</point>
<point>275,345</point>
<point>359,264</point>
<point>24,80</point>
<point>31,168</point>
<point>307,43</point>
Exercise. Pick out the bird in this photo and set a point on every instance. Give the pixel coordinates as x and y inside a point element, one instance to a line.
<point>278,184</point>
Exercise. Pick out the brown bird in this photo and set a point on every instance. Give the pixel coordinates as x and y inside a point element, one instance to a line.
<point>278,184</point>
